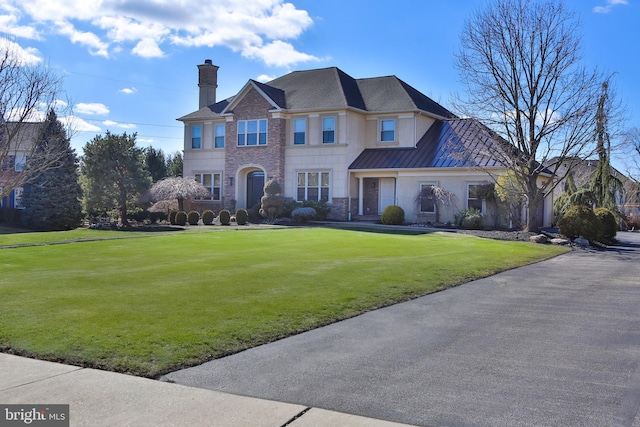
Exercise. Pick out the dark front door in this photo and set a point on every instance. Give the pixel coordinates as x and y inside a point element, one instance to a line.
<point>255,185</point>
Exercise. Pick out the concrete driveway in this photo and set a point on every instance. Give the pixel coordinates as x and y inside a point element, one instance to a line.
<point>551,344</point>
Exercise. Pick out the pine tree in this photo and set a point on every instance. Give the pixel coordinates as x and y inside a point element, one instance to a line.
<point>52,200</point>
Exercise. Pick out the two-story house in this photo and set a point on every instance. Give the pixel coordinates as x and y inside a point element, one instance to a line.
<point>359,144</point>
<point>16,143</point>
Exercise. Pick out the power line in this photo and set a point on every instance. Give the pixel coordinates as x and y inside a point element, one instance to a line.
<point>128,82</point>
<point>133,123</point>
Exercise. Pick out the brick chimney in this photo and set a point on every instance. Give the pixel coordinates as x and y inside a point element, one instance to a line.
<point>207,82</point>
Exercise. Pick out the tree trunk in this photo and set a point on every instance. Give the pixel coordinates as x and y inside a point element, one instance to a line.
<point>180,204</point>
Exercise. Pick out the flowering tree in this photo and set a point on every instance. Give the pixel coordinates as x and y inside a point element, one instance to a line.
<point>176,188</point>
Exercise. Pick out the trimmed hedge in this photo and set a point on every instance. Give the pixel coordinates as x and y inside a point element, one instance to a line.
<point>225,217</point>
<point>207,217</point>
<point>172,217</point>
<point>181,218</point>
<point>193,218</point>
<point>392,215</point>
<point>242,216</point>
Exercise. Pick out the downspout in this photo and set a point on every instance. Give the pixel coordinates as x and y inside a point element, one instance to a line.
<point>349,196</point>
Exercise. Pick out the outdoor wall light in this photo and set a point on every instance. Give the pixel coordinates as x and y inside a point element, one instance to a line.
<point>230,181</point>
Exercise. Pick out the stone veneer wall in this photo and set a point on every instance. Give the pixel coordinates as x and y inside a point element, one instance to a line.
<point>270,157</point>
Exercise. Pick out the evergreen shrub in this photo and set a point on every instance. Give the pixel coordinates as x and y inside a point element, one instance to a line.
<point>207,217</point>
<point>581,221</point>
<point>609,223</point>
<point>392,215</point>
<point>225,217</point>
<point>193,218</point>
<point>469,219</point>
<point>172,217</point>
<point>242,216</point>
<point>181,218</point>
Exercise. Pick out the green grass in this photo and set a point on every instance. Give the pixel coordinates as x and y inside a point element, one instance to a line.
<point>156,303</point>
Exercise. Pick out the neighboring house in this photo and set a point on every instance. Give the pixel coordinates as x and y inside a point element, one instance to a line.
<point>13,158</point>
<point>583,171</point>
<point>359,144</point>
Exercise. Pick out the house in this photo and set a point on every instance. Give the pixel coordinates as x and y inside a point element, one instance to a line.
<point>16,142</point>
<point>359,144</point>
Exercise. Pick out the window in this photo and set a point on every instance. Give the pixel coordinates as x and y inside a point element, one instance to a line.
<point>328,130</point>
<point>474,201</point>
<point>387,130</point>
<point>313,186</point>
<point>17,198</point>
<point>21,163</point>
<point>252,132</point>
<point>9,163</point>
<point>196,137</point>
<point>299,131</point>
<point>212,182</point>
<point>427,199</point>
<point>219,136</point>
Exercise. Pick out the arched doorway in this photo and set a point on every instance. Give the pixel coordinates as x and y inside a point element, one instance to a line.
<point>255,186</point>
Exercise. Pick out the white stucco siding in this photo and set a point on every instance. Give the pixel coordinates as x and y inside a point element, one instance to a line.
<point>330,158</point>
<point>198,161</point>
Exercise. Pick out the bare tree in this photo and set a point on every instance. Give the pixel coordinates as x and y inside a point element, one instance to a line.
<point>27,94</point>
<point>520,62</point>
<point>176,188</point>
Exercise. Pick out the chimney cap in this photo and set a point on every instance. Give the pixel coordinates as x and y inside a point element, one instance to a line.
<point>208,61</point>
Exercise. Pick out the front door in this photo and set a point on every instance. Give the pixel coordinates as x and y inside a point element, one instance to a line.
<point>387,195</point>
<point>255,188</point>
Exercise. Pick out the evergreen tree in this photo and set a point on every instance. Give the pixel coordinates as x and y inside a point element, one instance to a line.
<point>113,172</point>
<point>52,200</point>
<point>604,186</point>
<point>174,164</point>
<point>155,163</point>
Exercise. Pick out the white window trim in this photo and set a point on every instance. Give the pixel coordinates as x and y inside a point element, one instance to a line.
<point>319,172</point>
<point>215,136</point>
<point>395,130</point>
<point>335,129</point>
<point>306,131</point>
<point>484,204</point>
<point>246,132</point>
<point>435,202</point>
<point>212,173</point>
<point>193,128</point>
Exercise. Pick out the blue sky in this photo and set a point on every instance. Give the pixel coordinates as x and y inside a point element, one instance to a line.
<point>131,65</point>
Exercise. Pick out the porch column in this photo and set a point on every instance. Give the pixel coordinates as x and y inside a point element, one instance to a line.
<point>360,196</point>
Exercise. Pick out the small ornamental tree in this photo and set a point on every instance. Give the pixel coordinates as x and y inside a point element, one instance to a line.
<point>271,203</point>
<point>177,188</point>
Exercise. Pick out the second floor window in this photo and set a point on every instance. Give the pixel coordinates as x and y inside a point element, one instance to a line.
<point>299,131</point>
<point>219,136</point>
<point>252,132</point>
<point>387,130</point>
<point>328,130</point>
<point>196,137</point>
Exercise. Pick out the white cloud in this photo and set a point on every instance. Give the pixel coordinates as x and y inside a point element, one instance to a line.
<point>258,29</point>
<point>610,5</point>
<point>145,140</point>
<point>128,90</point>
<point>92,108</point>
<point>263,78</point>
<point>119,125</point>
<point>76,124</point>
<point>23,56</point>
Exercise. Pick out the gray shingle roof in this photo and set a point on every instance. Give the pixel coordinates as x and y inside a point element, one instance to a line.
<point>333,89</point>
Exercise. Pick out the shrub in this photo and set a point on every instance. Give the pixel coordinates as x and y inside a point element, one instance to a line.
<point>392,215</point>
<point>288,207</point>
<point>609,223</point>
<point>242,216</point>
<point>470,219</point>
<point>225,217</point>
<point>181,218</point>
<point>193,218</point>
<point>208,217</point>
<point>172,217</point>
<point>320,206</point>
<point>581,221</point>
<point>303,214</point>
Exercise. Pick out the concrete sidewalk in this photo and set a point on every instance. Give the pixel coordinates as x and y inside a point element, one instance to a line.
<point>100,398</point>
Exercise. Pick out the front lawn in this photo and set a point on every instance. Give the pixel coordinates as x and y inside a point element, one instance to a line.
<point>157,303</point>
